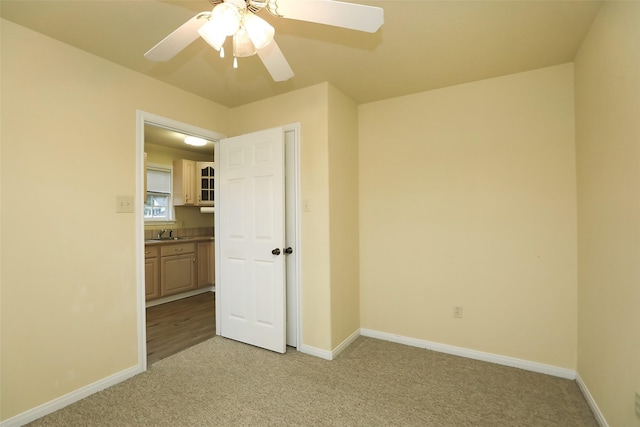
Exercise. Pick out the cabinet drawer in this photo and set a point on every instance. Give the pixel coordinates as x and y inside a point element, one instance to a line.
<point>177,249</point>
<point>150,251</point>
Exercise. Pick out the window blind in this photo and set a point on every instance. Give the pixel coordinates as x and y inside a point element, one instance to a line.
<point>158,181</point>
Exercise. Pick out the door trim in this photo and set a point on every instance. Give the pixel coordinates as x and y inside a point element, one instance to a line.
<point>293,171</point>
<point>142,118</point>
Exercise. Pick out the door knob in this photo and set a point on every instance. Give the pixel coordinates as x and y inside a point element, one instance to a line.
<point>288,251</point>
<point>276,251</point>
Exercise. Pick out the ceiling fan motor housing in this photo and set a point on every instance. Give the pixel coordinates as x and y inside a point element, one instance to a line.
<point>250,5</point>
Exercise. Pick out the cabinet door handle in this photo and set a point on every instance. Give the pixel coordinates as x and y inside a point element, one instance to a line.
<point>179,249</point>
<point>147,252</point>
<point>276,251</point>
<point>288,251</point>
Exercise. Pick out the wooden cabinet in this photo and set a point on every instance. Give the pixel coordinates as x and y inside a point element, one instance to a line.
<point>184,185</point>
<point>177,268</point>
<point>205,183</point>
<point>206,264</point>
<point>193,183</point>
<point>172,268</point>
<point>151,272</point>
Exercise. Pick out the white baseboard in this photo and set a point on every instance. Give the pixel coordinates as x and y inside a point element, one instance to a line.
<point>313,351</point>
<point>69,398</point>
<point>329,355</point>
<point>592,403</point>
<point>473,354</point>
<point>344,344</point>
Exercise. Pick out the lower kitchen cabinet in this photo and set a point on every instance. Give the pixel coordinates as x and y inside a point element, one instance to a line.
<point>151,272</point>
<point>173,268</point>
<point>206,262</point>
<point>177,268</point>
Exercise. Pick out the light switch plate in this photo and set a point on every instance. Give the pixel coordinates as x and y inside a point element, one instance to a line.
<point>124,204</point>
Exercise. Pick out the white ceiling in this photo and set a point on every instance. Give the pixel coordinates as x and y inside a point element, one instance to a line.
<point>422,45</point>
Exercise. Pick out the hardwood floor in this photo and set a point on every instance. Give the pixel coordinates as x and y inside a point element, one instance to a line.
<point>178,325</point>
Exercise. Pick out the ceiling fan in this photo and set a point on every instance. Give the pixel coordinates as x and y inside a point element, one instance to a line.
<point>253,35</point>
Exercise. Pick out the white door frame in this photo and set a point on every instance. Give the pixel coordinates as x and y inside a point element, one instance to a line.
<point>292,171</point>
<point>142,118</point>
<point>293,202</point>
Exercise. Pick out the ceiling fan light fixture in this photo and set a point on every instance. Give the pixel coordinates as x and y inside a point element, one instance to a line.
<point>212,34</point>
<point>260,31</point>
<point>226,17</point>
<point>195,141</point>
<point>242,45</point>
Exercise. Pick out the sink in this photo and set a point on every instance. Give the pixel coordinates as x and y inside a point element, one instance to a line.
<point>164,239</point>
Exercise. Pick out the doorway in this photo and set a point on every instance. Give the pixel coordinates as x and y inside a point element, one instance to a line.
<point>292,221</point>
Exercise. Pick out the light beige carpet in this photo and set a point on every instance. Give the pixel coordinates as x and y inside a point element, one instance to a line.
<point>372,383</point>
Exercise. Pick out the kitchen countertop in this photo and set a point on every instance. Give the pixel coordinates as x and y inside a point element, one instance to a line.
<point>173,240</point>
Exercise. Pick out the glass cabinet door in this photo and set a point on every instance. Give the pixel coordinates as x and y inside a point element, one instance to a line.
<point>206,183</point>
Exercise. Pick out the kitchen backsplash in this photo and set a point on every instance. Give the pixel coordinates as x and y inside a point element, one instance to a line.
<point>180,232</point>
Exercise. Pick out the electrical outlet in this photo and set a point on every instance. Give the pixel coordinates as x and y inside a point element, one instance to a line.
<point>638,404</point>
<point>457,311</point>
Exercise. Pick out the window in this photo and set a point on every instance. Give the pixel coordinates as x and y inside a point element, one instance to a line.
<point>158,206</point>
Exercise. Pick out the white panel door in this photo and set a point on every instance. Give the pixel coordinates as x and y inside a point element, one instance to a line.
<point>250,203</point>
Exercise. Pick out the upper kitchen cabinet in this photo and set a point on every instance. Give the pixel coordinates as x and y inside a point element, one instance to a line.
<point>184,185</point>
<point>205,183</point>
<point>193,183</point>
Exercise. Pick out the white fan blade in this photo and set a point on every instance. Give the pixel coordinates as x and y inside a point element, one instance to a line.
<point>180,38</point>
<point>339,14</point>
<point>275,62</point>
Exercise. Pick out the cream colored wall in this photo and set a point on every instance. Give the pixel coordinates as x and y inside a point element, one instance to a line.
<point>190,217</point>
<point>607,78</point>
<point>68,149</point>
<point>309,107</point>
<point>467,197</point>
<point>343,213</point>
<point>187,216</point>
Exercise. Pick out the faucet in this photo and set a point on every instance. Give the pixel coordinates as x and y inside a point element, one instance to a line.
<point>160,233</point>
